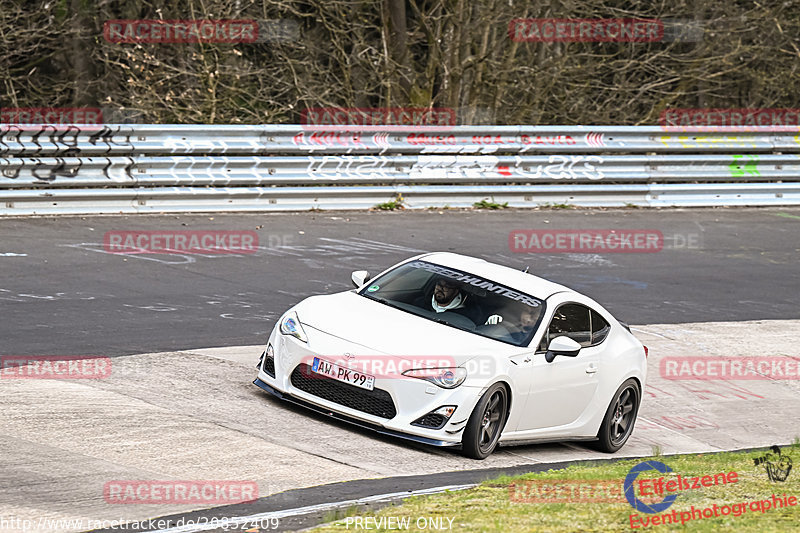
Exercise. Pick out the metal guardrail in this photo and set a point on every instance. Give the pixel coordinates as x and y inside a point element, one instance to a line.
<point>167,139</point>
<point>151,168</point>
<point>218,171</point>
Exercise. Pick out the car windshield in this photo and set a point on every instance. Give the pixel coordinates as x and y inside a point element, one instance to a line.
<point>460,300</point>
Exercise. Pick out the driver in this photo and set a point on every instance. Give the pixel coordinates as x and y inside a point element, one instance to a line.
<point>449,296</point>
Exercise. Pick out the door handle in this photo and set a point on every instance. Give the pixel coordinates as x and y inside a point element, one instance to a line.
<point>591,369</point>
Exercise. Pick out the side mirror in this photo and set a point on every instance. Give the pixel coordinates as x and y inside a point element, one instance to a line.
<point>562,346</point>
<point>359,277</point>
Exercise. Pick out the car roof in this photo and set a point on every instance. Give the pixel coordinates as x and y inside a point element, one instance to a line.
<point>513,278</point>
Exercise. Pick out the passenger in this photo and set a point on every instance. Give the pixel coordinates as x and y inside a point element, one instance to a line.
<point>520,321</point>
<point>525,324</point>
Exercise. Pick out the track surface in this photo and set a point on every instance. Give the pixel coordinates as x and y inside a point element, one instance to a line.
<point>60,294</point>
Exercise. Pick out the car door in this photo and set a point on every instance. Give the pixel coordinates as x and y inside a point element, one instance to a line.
<point>563,390</point>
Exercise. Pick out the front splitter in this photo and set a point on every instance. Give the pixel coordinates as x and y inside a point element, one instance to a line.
<point>372,427</point>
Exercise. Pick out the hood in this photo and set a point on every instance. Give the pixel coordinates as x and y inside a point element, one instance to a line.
<point>382,329</point>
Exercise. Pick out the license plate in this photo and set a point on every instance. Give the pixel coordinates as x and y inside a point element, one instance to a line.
<point>343,374</point>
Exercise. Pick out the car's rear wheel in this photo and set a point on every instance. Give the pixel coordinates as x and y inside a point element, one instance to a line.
<point>620,417</point>
<point>486,423</point>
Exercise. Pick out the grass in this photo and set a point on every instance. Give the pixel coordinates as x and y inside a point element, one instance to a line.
<point>556,206</point>
<point>488,507</point>
<point>338,514</point>
<point>392,205</point>
<point>486,204</point>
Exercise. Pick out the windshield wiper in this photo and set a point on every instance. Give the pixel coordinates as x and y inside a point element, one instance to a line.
<point>384,301</point>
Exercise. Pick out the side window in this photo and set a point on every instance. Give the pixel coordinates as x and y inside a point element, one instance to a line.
<point>570,320</point>
<point>600,328</point>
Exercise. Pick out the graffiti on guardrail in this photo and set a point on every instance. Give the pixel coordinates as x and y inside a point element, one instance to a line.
<point>354,138</point>
<point>709,141</point>
<point>424,139</point>
<point>559,167</point>
<point>43,171</point>
<point>332,165</point>
<point>60,139</point>
<point>109,136</point>
<point>63,137</point>
<point>49,169</point>
<point>329,138</point>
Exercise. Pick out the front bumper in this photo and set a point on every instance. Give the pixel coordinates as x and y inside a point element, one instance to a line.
<point>355,422</point>
<point>410,398</point>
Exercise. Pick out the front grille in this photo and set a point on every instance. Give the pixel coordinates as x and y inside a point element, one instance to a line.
<point>431,420</point>
<point>376,402</point>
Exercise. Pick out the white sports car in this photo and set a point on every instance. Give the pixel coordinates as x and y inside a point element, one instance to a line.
<point>451,350</point>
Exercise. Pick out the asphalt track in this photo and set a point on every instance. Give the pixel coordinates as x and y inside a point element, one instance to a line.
<point>178,410</point>
<point>62,295</point>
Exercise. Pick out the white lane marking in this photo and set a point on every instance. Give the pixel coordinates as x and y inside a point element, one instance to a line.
<point>239,520</point>
<point>634,328</point>
<point>12,254</point>
<point>684,435</point>
<point>516,454</point>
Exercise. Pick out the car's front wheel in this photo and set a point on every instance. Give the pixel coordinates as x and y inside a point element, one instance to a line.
<point>486,423</point>
<point>620,417</point>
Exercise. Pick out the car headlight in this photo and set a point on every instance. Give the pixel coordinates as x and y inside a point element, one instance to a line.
<point>446,378</point>
<point>290,325</point>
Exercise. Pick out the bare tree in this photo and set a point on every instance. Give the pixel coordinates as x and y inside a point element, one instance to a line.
<point>390,53</point>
